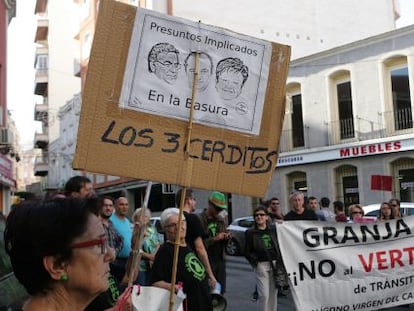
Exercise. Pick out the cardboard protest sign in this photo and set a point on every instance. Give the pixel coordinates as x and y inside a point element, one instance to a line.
<point>341,266</point>
<point>137,101</point>
<point>231,96</point>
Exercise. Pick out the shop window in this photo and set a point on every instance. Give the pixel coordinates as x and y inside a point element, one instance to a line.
<point>403,179</point>
<point>297,182</point>
<point>347,189</point>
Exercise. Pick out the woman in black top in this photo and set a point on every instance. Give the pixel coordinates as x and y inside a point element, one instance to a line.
<point>190,271</point>
<point>263,254</point>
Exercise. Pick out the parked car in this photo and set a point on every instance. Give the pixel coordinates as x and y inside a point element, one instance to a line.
<point>406,209</point>
<point>235,246</point>
<point>12,293</point>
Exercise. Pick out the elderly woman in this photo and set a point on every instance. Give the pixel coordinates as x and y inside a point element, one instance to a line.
<point>190,271</point>
<point>59,253</point>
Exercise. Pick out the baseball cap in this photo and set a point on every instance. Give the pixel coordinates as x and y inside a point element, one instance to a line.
<point>218,199</point>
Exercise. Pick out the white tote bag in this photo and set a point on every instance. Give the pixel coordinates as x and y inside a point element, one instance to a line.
<point>150,298</point>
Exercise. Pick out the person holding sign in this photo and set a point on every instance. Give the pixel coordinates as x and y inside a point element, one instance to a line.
<point>163,62</point>
<point>191,273</point>
<point>263,254</point>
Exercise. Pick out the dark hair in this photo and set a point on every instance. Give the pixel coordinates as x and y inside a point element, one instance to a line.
<point>381,214</point>
<point>157,49</point>
<point>259,208</point>
<point>75,184</point>
<point>188,194</point>
<point>339,205</point>
<point>43,228</point>
<point>394,199</point>
<point>325,202</point>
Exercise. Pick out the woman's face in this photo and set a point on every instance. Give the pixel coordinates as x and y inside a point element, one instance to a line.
<point>88,269</point>
<point>386,210</point>
<point>356,212</point>
<point>260,217</point>
<point>171,228</point>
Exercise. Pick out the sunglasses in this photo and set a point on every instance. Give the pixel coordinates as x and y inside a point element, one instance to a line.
<point>356,213</point>
<point>260,214</point>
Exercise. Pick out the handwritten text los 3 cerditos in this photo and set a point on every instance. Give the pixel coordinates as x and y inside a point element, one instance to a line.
<point>255,160</point>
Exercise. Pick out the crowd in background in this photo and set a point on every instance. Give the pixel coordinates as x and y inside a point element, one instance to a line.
<point>87,251</point>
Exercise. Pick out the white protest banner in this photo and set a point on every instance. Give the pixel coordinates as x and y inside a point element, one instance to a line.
<point>232,80</point>
<point>341,266</point>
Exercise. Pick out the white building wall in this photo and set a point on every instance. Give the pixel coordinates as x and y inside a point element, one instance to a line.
<point>63,23</point>
<point>371,99</point>
<point>307,26</point>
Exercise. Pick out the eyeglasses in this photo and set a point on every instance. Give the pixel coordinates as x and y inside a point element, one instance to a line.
<point>260,214</point>
<point>170,65</point>
<point>101,241</point>
<point>175,224</point>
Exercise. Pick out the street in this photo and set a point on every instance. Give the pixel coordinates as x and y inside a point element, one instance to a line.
<point>240,287</point>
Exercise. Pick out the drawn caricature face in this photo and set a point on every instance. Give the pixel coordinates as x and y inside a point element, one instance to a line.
<point>204,73</point>
<point>166,67</point>
<point>229,84</point>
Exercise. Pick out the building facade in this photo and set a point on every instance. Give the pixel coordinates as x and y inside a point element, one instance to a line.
<point>8,150</point>
<point>318,28</point>
<point>349,119</point>
<point>55,81</point>
<point>307,26</point>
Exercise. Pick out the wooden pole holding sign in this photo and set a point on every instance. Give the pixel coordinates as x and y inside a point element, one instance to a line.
<point>183,192</point>
<point>131,115</point>
<point>139,239</point>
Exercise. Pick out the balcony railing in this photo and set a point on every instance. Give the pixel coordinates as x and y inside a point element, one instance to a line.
<point>336,132</point>
<point>41,166</point>
<point>41,141</point>
<point>41,112</point>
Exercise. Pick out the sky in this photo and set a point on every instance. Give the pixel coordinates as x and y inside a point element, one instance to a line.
<point>21,49</point>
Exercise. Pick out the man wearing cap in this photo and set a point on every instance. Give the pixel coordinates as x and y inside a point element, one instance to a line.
<point>214,223</point>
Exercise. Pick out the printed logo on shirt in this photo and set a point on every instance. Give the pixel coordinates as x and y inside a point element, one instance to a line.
<point>267,241</point>
<point>194,266</point>
<point>212,227</point>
